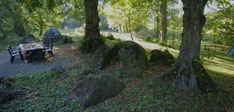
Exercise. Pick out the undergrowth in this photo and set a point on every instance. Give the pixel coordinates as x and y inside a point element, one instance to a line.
<point>53,93</point>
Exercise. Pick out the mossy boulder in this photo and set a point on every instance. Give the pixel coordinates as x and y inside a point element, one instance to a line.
<point>129,52</point>
<point>130,72</point>
<point>161,57</point>
<point>6,90</point>
<point>97,89</point>
<point>52,35</point>
<point>101,58</point>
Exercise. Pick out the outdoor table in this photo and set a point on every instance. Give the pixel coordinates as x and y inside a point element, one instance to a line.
<point>24,48</point>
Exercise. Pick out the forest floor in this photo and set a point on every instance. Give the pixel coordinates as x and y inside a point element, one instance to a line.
<point>53,91</point>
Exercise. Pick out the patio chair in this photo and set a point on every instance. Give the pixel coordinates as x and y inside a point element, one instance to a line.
<point>49,47</point>
<point>13,53</point>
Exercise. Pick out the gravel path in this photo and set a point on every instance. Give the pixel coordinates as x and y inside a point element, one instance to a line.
<point>64,55</point>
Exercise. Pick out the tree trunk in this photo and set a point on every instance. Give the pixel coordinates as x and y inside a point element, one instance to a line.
<point>92,40</point>
<point>41,24</point>
<point>163,12</point>
<point>157,26</point>
<point>41,30</point>
<point>130,26</point>
<point>191,74</point>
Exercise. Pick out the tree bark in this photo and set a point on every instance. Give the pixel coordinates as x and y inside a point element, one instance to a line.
<point>191,74</point>
<point>92,32</point>
<point>157,26</point>
<point>163,12</point>
<point>130,26</point>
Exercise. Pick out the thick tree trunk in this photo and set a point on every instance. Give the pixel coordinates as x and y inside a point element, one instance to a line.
<point>191,74</point>
<point>163,12</point>
<point>92,32</point>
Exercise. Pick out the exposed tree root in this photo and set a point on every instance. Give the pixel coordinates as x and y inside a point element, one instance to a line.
<point>188,75</point>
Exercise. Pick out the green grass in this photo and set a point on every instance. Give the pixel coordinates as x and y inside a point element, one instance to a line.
<point>53,93</point>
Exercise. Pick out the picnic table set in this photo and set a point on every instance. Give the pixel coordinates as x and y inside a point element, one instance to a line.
<point>29,52</point>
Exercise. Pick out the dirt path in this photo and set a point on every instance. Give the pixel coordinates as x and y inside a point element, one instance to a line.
<point>63,55</point>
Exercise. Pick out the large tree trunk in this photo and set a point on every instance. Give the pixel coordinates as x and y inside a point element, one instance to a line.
<point>92,40</point>
<point>163,21</point>
<point>191,74</point>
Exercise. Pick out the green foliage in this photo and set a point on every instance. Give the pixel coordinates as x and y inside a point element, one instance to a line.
<point>66,39</point>
<point>220,23</point>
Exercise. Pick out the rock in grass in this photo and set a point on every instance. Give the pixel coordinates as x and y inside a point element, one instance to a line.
<point>6,92</point>
<point>130,72</point>
<point>58,69</point>
<point>97,89</point>
<point>161,57</point>
<point>101,58</point>
<point>132,53</point>
<point>28,39</point>
<point>52,35</point>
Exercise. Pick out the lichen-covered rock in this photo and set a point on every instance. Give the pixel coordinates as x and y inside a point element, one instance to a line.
<point>161,57</point>
<point>132,53</point>
<point>28,39</point>
<point>97,89</point>
<point>101,58</point>
<point>52,35</point>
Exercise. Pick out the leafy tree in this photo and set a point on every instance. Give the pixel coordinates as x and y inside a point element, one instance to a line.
<point>127,15</point>
<point>190,74</point>
<point>220,23</point>
<point>14,16</point>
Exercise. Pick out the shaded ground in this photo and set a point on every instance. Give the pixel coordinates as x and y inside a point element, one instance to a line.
<point>63,55</point>
<point>53,91</point>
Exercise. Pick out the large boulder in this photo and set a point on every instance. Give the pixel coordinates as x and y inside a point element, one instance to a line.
<point>161,57</point>
<point>132,58</point>
<point>132,53</point>
<point>101,58</point>
<point>96,89</point>
<point>6,92</point>
<point>28,39</point>
<point>52,35</point>
<point>129,71</point>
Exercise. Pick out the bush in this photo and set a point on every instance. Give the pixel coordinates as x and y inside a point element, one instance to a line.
<point>66,40</point>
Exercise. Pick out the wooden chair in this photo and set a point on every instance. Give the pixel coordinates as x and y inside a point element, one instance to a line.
<point>13,53</point>
<point>48,47</point>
